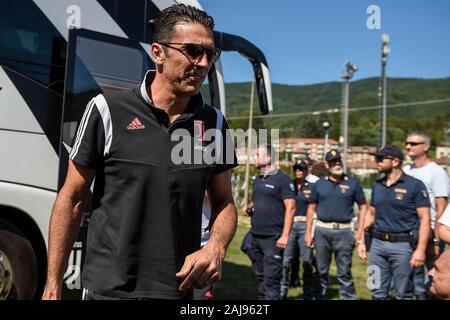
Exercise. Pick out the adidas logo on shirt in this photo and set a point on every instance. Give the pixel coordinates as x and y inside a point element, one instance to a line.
<point>135,125</point>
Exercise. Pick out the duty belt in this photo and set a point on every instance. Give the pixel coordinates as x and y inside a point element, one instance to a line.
<point>392,237</point>
<point>334,225</point>
<point>300,218</point>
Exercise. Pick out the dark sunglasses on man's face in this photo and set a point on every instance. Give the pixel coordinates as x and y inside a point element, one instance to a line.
<point>381,158</point>
<point>195,51</point>
<point>412,143</point>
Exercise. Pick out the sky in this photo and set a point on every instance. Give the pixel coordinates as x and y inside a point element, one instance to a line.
<point>309,41</point>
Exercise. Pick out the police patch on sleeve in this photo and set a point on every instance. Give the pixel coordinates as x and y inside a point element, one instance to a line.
<point>291,185</point>
<point>425,193</point>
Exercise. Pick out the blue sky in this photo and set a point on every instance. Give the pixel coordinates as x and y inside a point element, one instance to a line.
<point>308,41</point>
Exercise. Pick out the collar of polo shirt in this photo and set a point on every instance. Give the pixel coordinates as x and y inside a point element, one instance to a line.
<point>383,179</point>
<point>195,104</point>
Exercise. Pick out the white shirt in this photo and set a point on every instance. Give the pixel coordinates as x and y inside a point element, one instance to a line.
<point>311,178</point>
<point>436,181</point>
<point>445,218</point>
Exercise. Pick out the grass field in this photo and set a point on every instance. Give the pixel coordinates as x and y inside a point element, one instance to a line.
<point>239,282</point>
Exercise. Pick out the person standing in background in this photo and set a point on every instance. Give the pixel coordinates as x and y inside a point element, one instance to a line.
<point>437,182</point>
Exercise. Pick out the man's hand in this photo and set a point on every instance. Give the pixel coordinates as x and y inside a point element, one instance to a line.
<point>362,251</point>
<point>417,259</point>
<point>282,242</point>
<point>201,268</point>
<point>309,240</point>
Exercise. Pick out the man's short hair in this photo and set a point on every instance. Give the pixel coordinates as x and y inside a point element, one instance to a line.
<point>426,137</point>
<point>319,169</point>
<point>176,14</point>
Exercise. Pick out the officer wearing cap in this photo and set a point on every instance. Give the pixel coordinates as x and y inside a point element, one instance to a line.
<point>296,244</point>
<point>400,216</point>
<point>332,199</point>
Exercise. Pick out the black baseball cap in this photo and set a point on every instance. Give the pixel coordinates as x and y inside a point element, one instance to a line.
<point>301,165</point>
<point>390,151</point>
<point>333,155</point>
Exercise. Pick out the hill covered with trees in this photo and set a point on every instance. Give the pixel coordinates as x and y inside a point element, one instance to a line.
<point>363,124</point>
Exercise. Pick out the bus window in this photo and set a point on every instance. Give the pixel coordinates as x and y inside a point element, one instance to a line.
<point>32,47</point>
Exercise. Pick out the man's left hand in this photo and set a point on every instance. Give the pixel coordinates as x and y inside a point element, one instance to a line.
<point>201,268</point>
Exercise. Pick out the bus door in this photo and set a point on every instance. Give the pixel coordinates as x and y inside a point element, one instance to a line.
<point>96,63</point>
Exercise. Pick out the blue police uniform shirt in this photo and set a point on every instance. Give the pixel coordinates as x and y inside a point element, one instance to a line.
<point>335,199</point>
<point>396,205</point>
<point>268,195</point>
<point>302,199</point>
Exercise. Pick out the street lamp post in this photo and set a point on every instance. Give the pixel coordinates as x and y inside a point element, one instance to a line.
<point>383,89</point>
<point>249,145</point>
<point>326,127</point>
<point>350,69</point>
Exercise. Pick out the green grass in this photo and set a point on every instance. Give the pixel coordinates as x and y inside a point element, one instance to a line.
<point>239,282</point>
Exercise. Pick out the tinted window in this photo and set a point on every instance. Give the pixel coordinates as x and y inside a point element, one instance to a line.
<point>30,44</point>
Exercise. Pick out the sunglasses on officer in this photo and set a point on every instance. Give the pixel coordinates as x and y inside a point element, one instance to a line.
<point>381,158</point>
<point>195,51</point>
<point>413,144</point>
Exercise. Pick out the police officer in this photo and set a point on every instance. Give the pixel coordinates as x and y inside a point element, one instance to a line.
<point>437,182</point>
<point>332,199</point>
<point>273,213</point>
<point>400,215</point>
<point>296,244</point>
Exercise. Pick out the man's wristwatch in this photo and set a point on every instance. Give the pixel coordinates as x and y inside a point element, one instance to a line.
<point>436,242</point>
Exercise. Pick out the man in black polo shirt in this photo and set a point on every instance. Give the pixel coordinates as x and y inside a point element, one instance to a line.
<point>150,155</point>
<point>400,215</point>
<point>274,210</point>
<point>332,199</point>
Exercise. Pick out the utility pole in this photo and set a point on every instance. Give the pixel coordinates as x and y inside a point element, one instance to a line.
<point>383,89</point>
<point>326,127</point>
<point>350,69</point>
<point>249,145</point>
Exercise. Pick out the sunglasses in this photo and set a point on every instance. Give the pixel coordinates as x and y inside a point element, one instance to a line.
<point>300,169</point>
<point>412,143</point>
<point>195,51</point>
<point>381,158</point>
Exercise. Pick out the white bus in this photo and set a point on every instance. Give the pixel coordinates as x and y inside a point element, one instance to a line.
<point>54,56</point>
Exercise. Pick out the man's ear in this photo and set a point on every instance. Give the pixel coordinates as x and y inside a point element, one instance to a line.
<point>327,165</point>
<point>427,147</point>
<point>157,53</point>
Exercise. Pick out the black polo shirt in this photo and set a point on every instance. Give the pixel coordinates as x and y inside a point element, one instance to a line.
<point>396,206</point>
<point>268,195</point>
<point>335,199</point>
<point>148,192</point>
<point>303,199</point>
